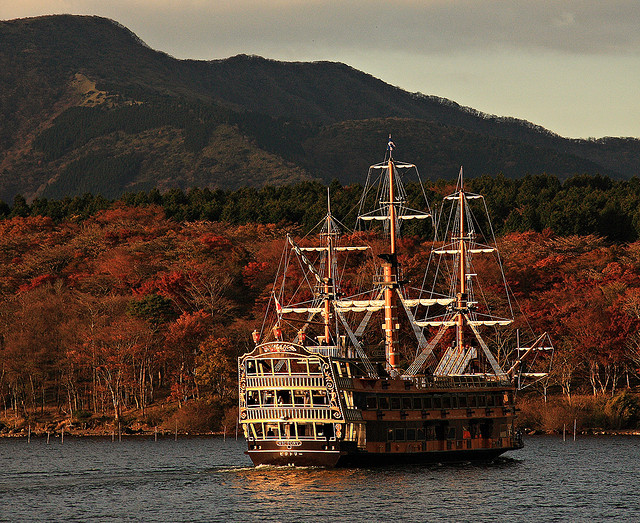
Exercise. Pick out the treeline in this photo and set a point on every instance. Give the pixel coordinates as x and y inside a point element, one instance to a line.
<point>581,205</point>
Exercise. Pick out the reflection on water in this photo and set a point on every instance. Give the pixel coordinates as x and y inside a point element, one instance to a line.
<point>210,479</point>
<point>360,494</point>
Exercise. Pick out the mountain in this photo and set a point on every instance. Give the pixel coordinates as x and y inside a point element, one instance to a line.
<point>86,106</point>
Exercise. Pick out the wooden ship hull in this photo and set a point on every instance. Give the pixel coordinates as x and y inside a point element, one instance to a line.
<point>300,407</point>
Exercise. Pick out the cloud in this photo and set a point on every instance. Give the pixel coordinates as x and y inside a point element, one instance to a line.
<point>424,27</point>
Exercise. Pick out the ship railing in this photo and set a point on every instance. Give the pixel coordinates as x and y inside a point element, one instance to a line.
<point>286,440</point>
<point>285,381</point>
<point>286,414</point>
<point>324,350</point>
<point>445,382</point>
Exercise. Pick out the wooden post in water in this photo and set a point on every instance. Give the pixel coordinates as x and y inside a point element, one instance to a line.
<point>29,435</point>
<point>575,424</point>
<point>176,435</point>
<point>564,432</point>
<point>47,437</point>
<point>119,432</point>
<point>155,433</point>
<point>113,435</point>
<point>62,437</point>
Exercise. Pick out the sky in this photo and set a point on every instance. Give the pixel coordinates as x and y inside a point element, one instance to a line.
<point>571,66</point>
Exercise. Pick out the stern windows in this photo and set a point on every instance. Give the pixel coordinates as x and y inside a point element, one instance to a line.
<point>252,397</point>
<point>318,397</point>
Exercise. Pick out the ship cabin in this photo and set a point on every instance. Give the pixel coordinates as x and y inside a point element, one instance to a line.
<point>308,406</point>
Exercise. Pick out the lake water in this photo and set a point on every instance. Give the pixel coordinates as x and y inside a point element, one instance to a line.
<point>209,479</point>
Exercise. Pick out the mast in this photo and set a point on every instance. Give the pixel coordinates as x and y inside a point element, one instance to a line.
<point>329,275</point>
<point>391,276</point>
<point>462,295</point>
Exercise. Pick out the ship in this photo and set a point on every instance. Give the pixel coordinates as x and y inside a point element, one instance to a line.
<point>394,373</point>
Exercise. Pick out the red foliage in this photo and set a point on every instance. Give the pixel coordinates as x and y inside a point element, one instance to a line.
<point>36,282</point>
<point>215,242</point>
<point>253,272</point>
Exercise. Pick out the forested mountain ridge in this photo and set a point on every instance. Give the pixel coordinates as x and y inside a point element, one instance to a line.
<point>86,106</point>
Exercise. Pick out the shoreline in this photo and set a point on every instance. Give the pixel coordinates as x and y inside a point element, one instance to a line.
<point>165,434</point>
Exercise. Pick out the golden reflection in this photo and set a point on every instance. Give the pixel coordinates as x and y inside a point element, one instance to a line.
<point>266,483</point>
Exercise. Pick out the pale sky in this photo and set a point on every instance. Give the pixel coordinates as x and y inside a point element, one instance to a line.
<point>572,67</point>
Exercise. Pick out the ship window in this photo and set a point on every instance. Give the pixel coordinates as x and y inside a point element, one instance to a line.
<point>280,367</point>
<point>286,430</point>
<point>303,429</point>
<point>265,366</point>
<point>417,403</point>
<point>452,433</point>
<point>429,433</point>
<point>284,397</point>
<point>446,402</point>
<point>411,434</point>
<point>390,435</point>
<point>268,398</point>
<point>318,397</point>
<point>399,434</point>
<point>252,397</point>
<point>272,431</point>
<point>298,367</point>
<point>251,367</point>
<point>395,403</point>
<point>462,401</point>
<point>420,434</point>
<point>437,402</point>
<point>301,397</point>
<point>314,367</point>
<point>473,401</point>
<point>426,403</point>
<point>499,400</point>
<point>482,400</point>
<point>406,403</point>
<point>256,429</point>
<point>383,403</point>
<point>490,400</point>
<point>372,402</point>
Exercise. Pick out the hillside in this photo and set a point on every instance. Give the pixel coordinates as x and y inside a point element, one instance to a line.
<point>87,107</point>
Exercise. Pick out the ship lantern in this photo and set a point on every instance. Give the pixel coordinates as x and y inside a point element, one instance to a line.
<point>256,336</point>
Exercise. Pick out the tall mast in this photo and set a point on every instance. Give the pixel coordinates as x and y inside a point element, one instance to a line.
<point>462,294</point>
<point>390,276</point>
<point>329,276</point>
